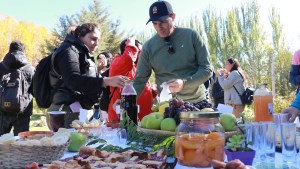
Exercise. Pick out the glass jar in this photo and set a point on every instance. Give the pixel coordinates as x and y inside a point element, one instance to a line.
<point>263,104</point>
<point>197,142</point>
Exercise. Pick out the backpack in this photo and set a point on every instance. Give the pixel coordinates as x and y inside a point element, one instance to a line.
<point>247,96</point>
<point>14,97</point>
<point>42,89</point>
<point>105,96</point>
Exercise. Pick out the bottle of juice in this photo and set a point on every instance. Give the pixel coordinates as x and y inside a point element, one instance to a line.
<point>263,104</point>
<point>128,101</point>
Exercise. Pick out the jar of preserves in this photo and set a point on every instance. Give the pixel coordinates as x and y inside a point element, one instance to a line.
<point>197,142</point>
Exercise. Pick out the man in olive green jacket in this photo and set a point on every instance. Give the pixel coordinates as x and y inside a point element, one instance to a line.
<point>176,55</point>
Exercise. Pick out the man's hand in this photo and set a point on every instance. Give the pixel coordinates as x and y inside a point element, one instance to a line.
<point>234,164</point>
<point>175,85</point>
<point>292,112</point>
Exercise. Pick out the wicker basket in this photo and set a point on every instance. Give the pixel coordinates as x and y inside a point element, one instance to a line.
<point>16,156</point>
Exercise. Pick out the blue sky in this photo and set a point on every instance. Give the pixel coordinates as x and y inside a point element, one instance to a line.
<point>134,13</point>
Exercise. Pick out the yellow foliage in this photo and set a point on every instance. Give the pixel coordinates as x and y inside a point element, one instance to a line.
<point>34,38</point>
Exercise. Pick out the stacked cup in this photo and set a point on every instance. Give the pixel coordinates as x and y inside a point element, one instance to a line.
<point>287,137</point>
<point>263,141</point>
<point>288,141</point>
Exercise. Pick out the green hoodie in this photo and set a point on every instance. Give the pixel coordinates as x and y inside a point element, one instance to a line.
<point>190,62</point>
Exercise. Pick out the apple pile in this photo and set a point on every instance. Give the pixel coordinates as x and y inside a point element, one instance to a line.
<point>166,115</point>
<point>157,121</point>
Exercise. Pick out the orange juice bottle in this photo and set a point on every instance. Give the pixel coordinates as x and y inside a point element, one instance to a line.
<point>263,104</point>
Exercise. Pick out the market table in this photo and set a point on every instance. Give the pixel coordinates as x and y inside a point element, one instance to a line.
<point>114,140</point>
<point>278,162</point>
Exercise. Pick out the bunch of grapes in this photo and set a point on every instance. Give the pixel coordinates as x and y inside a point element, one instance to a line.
<point>203,104</point>
<point>178,105</point>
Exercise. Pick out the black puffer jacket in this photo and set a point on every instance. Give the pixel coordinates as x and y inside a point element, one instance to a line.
<point>77,68</point>
<point>16,60</point>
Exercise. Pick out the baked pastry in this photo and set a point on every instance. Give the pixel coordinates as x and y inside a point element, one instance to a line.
<point>90,158</point>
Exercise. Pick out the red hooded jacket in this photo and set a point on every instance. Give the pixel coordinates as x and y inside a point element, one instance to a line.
<point>123,64</point>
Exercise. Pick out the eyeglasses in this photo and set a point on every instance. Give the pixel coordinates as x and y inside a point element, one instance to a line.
<point>171,49</point>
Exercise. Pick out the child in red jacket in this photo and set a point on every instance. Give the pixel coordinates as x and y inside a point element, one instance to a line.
<point>125,64</point>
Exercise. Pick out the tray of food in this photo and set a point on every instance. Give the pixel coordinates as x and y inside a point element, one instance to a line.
<point>92,158</point>
<point>35,134</point>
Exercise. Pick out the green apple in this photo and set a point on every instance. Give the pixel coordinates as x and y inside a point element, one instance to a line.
<point>168,124</point>
<point>144,121</point>
<point>77,140</point>
<point>228,121</point>
<point>153,121</point>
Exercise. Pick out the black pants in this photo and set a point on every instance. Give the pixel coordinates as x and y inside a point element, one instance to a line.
<point>20,123</point>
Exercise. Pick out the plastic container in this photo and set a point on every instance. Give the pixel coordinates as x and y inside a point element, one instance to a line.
<point>197,142</point>
<point>128,101</point>
<point>263,104</point>
<point>165,94</point>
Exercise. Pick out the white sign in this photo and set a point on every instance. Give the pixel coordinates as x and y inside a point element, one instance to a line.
<point>222,108</point>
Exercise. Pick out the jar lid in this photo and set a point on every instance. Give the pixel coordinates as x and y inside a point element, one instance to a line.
<point>198,114</point>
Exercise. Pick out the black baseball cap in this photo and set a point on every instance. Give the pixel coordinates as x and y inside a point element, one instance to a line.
<point>160,11</point>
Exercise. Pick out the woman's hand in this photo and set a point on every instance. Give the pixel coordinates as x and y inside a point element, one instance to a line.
<point>223,73</point>
<point>234,164</point>
<point>115,81</point>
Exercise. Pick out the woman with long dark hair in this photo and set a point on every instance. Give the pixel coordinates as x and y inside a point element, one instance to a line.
<point>233,81</point>
<point>74,75</point>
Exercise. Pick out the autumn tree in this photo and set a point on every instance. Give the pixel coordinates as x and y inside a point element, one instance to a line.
<point>34,38</point>
<point>95,13</point>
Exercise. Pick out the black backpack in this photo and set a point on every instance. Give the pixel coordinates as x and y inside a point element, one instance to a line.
<point>247,96</point>
<point>105,97</point>
<point>42,89</point>
<point>14,96</point>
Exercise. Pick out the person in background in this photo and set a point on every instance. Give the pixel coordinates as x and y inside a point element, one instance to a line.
<point>104,61</point>
<point>295,70</point>
<point>217,93</point>
<point>15,59</point>
<point>125,64</point>
<point>208,84</point>
<point>177,56</point>
<point>233,81</point>
<point>78,82</point>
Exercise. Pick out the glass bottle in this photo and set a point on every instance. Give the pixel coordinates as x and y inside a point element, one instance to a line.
<point>263,104</point>
<point>197,142</point>
<point>128,101</point>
